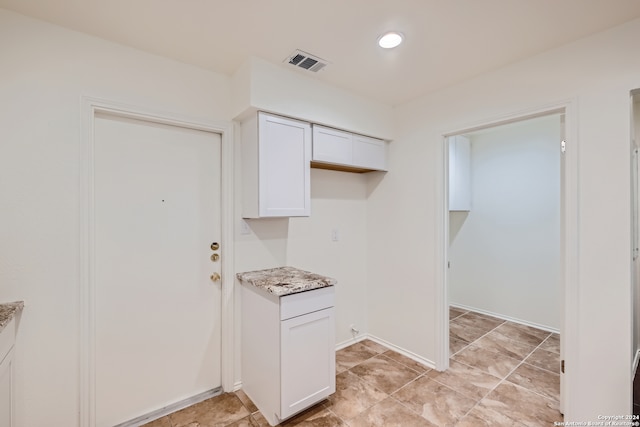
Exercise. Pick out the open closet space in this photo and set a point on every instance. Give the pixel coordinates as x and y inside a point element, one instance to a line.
<point>504,240</point>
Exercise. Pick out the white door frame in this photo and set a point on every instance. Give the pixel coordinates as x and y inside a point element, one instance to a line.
<point>91,106</point>
<point>568,253</point>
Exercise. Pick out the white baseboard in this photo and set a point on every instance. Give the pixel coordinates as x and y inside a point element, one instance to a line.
<point>169,409</point>
<point>503,317</point>
<point>428,363</point>
<point>351,341</point>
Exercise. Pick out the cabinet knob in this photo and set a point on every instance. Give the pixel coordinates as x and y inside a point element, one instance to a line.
<point>215,257</point>
<point>215,277</point>
<point>215,246</point>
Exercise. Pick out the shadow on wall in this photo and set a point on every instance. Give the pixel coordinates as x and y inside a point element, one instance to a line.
<point>374,179</point>
<point>456,221</point>
<point>272,235</point>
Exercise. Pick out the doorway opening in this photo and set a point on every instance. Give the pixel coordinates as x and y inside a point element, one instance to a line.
<point>506,261</point>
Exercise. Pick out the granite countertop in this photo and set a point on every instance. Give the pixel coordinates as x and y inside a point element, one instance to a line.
<point>8,311</point>
<point>283,281</point>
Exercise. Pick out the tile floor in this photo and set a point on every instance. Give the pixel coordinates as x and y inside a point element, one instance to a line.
<point>501,374</point>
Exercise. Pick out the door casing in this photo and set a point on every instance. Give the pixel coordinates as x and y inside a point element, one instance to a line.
<point>568,249</point>
<point>91,106</point>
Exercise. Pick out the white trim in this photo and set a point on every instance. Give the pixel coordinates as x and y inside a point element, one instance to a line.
<point>170,409</point>
<point>387,344</point>
<point>507,318</point>
<point>90,106</point>
<point>441,266</point>
<point>428,363</point>
<point>347,343</point>
<point>569,255</point>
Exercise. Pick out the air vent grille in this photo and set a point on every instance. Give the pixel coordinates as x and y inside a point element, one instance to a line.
<point>306,61</point>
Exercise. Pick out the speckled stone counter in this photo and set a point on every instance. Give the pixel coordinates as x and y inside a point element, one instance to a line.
<point>283,281</point>
<point>8,312</point>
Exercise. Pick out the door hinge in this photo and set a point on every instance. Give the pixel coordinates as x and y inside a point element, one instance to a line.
<point>562,366</point>
<point>563,146</point>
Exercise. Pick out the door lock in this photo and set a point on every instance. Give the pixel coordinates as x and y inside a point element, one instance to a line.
<point>215,257</point>
<point>215,246</point>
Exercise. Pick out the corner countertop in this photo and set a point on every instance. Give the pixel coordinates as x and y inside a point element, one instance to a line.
<point>8,311</point>
<point>283,281</point>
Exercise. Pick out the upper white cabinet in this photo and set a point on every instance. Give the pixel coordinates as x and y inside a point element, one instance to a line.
<point>276,156</point>
<point>459,173</point>
<point>332,146</point>
<point>369,153</point>
<point>335,149</point>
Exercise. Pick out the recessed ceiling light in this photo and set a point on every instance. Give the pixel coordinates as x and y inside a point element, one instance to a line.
<point>390,40</point>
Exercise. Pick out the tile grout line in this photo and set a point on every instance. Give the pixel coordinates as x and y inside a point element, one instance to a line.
<point>502,380</point>
<point>465,347</point>
<point>477,339</point>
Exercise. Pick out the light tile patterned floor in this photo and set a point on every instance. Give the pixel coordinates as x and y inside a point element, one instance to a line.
<point>501,374</point>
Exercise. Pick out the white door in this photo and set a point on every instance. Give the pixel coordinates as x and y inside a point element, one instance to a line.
<point>157,311</point>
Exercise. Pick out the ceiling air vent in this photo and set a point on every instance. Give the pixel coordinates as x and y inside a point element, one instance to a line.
<point>305,60</point>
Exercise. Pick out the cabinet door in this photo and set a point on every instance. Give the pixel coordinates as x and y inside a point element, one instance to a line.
<point>284,166</point>
<point>459,173</point>
<point>332,146</point>
<point>308,360</point>
<point>5,391</point>
<point>369,153</point>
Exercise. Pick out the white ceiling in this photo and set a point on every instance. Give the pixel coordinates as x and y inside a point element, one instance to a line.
<point>446,40</point>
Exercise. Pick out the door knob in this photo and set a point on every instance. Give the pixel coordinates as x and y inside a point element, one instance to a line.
<point>215,246</point>
<point>215,277</point>
<point>215,257</point>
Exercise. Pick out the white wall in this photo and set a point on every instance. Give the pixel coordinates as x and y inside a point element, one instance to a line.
<point>288,91</point>
<point>45,71</point>
<point>338,201</point>
<point>594,75</point>
<point>505,253</point>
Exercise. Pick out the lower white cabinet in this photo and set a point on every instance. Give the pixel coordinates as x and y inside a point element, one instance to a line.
<point>7,337</point>
<point>288,350</point>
